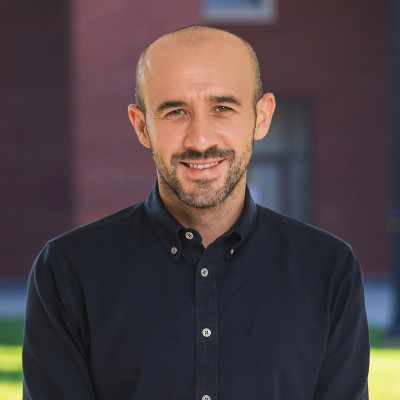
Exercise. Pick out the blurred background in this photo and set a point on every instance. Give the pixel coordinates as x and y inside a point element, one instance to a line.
<point>69,155</point>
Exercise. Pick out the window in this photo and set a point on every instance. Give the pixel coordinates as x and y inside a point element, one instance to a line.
<point>279,173</point>
<point>240,11</point>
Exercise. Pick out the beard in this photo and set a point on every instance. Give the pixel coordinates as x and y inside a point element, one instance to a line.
<point>205,194</point>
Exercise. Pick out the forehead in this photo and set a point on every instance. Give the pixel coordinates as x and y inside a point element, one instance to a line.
<point>216,63</point>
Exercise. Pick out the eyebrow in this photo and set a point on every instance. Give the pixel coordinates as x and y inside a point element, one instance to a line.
<point>165,105</point>
<point>170,104</point>
<point>225,99</point>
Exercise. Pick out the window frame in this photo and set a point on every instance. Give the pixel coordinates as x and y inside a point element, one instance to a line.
<point>290,161</point>
<point>265,12</point>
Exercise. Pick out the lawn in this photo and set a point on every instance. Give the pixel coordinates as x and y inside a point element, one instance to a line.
<point>384,378</point>
<point>384,375</point>
<point>10,359</point>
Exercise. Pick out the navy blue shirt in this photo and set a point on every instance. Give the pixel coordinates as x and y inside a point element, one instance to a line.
<point>133,307</point>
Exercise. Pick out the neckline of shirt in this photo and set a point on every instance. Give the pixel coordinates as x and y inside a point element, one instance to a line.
<point>167,227</point>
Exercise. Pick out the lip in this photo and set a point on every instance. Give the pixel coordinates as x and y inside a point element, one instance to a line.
<point>202,169</point>
<point>203,165</point>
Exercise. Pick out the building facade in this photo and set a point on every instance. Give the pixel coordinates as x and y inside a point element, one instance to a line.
<point>69,154</point>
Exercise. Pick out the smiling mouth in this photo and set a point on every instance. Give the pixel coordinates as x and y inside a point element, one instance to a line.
<point>203,166</point>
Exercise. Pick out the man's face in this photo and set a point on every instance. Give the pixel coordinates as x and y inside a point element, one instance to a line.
<point>200,119</point>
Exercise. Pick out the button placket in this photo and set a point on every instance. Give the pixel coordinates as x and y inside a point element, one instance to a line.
<point>207,328</point>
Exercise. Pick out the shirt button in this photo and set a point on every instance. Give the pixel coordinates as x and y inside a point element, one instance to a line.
<point>232,251</point>
<point>204,272</point>
<point>174,250</point>
<point>206,397</point>
<point>189,235</point>
<point>206,332</point>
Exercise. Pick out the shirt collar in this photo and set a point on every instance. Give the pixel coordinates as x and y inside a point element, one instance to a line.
<point>168,228</point>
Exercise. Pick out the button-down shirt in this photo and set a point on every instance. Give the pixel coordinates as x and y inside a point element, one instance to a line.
<point>133,307</point>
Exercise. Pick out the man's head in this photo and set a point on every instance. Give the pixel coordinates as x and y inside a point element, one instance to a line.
<point>193,36</point>
<point>200,108</point>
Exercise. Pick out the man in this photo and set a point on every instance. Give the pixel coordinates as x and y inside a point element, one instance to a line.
<point>197,293</point>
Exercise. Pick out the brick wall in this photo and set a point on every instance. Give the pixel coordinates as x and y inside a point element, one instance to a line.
<point>35,139</point>
<point>112,169</point>
<point>340,55</point>
<point>69,154</point>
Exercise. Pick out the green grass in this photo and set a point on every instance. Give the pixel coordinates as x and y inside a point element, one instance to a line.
<point>10,359</point>
<point>384,377</point>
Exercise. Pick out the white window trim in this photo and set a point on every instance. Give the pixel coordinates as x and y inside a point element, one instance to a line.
<point>265,12</point>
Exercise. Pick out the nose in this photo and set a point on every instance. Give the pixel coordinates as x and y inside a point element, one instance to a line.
<point>200,134</point>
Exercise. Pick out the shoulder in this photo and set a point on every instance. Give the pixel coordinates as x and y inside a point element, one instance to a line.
<point>94,245</point>
<point>96,240</point>
<point>298,233</point>
<point>118,222</point>
<point>305,248</point>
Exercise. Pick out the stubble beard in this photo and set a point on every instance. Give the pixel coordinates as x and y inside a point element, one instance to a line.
<point>205,195</point>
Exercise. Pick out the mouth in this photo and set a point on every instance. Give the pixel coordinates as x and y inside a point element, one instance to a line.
<point>202,166</point>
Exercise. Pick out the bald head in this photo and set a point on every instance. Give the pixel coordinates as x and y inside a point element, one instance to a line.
<point>194,38</point>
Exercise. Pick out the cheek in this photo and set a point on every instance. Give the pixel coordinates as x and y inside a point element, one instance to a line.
<point>236,134</point>
<point>165,145</point>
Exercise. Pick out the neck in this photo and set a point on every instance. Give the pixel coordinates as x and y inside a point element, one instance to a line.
<point>209,222</point>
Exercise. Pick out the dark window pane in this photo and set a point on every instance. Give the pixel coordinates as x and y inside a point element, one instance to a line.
<point>279,174</point>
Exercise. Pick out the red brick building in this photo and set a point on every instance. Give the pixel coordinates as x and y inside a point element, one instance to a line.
<point>69,155</point>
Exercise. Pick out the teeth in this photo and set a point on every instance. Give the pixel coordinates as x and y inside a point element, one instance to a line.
<point>203,166</point>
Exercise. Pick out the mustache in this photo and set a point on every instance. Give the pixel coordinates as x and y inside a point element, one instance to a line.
<point>211,152</point>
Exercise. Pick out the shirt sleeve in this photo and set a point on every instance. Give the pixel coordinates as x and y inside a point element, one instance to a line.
<point>344,371</point>
<point>55,361</point>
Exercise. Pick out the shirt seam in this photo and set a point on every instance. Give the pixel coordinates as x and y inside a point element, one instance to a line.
<point>100,223</point>
<point>69,297</point>
<point>301,225</point>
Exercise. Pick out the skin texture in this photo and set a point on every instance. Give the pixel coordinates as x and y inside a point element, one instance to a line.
<point>200,122</point>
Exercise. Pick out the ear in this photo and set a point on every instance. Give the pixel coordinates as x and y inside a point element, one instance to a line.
<point>265,110</point>
<point>138,120</point>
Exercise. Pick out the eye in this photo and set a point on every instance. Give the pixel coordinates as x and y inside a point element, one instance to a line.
<point>222,109</point>
<point>176,112</point>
